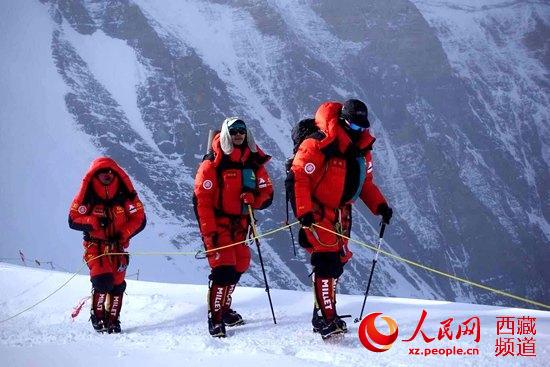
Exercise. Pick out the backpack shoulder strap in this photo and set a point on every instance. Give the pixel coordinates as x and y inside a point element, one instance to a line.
<point>209,157</point>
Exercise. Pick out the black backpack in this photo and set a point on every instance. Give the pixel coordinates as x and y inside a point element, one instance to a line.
<point>303,129</point>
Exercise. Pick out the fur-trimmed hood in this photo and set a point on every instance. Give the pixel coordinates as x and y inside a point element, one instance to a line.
<point>225,139</point>
<point>237,155</point>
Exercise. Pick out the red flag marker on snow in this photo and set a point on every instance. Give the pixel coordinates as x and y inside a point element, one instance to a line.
<point>78,308</point>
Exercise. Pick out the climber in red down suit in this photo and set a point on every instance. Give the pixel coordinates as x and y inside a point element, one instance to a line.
<point>229,179</point>
<point>107,209</point>
<point>331,169</point>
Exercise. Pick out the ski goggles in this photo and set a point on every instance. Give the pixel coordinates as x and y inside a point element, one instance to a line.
<point>105,172</point>
<point>239,130</point>
<point>355,127</point>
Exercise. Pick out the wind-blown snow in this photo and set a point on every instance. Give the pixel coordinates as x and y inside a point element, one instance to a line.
<point>166,325</point>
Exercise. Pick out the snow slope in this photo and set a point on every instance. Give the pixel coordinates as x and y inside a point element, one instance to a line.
<point>165,324</point>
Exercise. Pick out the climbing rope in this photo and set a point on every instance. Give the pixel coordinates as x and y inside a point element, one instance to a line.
<point>413,263</point>
<point>203,253</point>
<point>169,253</point>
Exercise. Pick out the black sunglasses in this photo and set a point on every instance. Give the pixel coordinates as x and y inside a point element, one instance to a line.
<point>237,131</point>
<point>107,171</point>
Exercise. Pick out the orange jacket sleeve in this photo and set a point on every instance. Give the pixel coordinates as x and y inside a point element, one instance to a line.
<point>136,219</point>
<point>80,219</point>
<point>205,197</point>
<point>264,189</point>
<point>370,193</point>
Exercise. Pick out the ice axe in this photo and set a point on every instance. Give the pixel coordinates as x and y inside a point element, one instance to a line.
<point>380,236</point>
<point>211,134</point>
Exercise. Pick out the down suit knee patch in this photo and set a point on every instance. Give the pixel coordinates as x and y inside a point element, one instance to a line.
<point>103,283</point>
<point>119,289</point>
<point>327,264</point>
<point>224,275</point>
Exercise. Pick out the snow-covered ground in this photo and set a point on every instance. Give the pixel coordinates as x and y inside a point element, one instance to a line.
<point>165,324</point>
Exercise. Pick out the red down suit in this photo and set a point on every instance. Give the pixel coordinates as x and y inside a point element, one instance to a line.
<point>329,172</point>
<point>220,181</point>
<point>121,211</point>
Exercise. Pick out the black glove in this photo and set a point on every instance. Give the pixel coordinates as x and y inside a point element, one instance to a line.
<point>386,212</point>
<point>104,222</point>
<point>307,220</point>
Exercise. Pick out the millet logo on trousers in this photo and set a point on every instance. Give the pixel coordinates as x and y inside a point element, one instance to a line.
<point>325,293</point>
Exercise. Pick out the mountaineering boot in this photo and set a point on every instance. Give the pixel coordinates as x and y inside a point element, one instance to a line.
<point>113,326</point>
<point>341,324</point>
<point>328,323</point>
<point>318,321</point>
<point>229,316</point>
<point>217,298</point>
<point>232,318</point>
<point>97,312</point>
<point>97,324</point>
<point>216,329</point>
<point>330,329</point>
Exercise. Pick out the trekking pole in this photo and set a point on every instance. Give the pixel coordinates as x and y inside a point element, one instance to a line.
<point>290,229</point>
<point>382,229</point>
<point>255,233</point>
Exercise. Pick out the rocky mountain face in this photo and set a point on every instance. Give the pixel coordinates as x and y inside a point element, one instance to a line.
<point>458,95</point>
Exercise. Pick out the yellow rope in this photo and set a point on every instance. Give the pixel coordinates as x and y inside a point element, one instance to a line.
<point>366,245</point>
<point>410,262</point>
<point>172,253</point>
<point>256,236</point>
<point>51,294</point>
